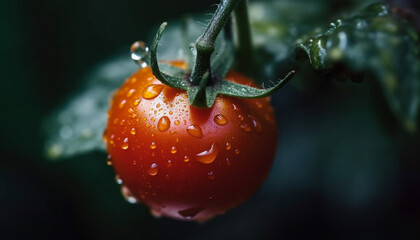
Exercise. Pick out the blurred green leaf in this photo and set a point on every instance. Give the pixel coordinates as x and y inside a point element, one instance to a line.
<point>376,42</point>
<point>78,125</point>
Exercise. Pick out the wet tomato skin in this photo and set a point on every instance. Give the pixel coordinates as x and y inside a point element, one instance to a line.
<point>184,162</point>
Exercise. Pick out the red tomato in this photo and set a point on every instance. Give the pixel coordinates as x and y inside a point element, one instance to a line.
<point>184,162</point>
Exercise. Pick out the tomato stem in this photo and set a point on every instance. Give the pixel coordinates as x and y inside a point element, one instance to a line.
<point>205,44</point>
<point>244,51</point>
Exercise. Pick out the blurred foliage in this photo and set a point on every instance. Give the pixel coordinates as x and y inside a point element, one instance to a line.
<point>373,41</point>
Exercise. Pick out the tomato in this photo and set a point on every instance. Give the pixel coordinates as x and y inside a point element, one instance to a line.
<point>184,162</point>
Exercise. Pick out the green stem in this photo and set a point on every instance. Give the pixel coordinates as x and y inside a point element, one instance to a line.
<point>244,50</point>
<point>205,44</point>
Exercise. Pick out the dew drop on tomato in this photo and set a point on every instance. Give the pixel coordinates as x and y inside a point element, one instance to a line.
<point>211,175</point>
<point>128,195</point>
<point>220,119</point>
<point>256,123</point>
<point>122,103</point>
<point>131,92</point>
<point>137,102</point>
<point>109,160</point>
<point>186,159</point>
<point>105,137</point>
<point>118,180</point>
<point>173,150</point>
<point>169,163</point>
<point>133,131</point>
<point>153,169</point>
<point>152,91</point>
<point>195,130</point>
<point>164,123</point>
<point>228,162</point>
<point>125,144</point>
<point>153,145</point>
<point>228,146</point>
<point>208,156</point>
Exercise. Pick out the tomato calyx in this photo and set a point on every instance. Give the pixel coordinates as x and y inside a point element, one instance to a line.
<point>206,78</point>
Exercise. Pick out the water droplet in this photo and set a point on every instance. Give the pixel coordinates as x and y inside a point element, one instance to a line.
<point>109,160</point>
<point>245,127</point>
<point>136,102</point>
<point>190,212</point>
<point>211,175</point>
<point>220,119</point>
<point>241,117</point>
<point>104,136</point>
<point>125,144</point>
<point>256,123</point>
<point>164,123</point>
<point>235,107</point>
<point>170,112</point>
<point>208,156</point>
<point>228,162</point>
<point>153,145</point>
<point>177,122</point>
<point>152,91</point>
<point>128,195</point>
<point>173,150</point>
<point>195,130</point>
<point>237,151</point>
<point>139,52</point>
<point>153,170</point>
<point>122,103</point>
<point>118,179</point>
<point>227,146</point>
<point>131,92</point>
<point>133,131</point>
<point>169,163</point>
<point>186,159</point>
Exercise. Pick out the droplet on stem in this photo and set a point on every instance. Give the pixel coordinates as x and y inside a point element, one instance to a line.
<point>139,51</point>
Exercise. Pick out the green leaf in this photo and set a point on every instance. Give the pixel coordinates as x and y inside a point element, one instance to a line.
<point>379,43</point>
<point>78,125</point>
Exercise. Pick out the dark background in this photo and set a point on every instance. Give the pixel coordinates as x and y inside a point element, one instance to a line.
<point>340,171</point>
